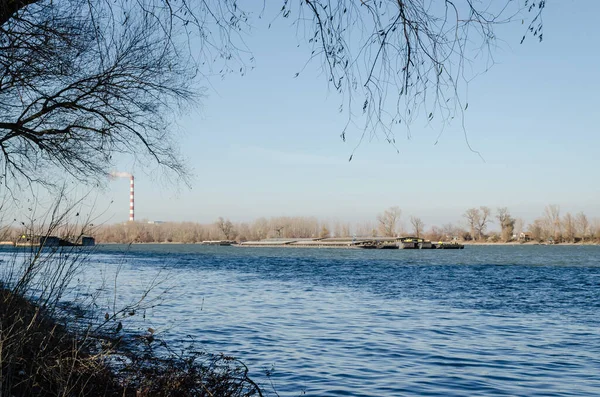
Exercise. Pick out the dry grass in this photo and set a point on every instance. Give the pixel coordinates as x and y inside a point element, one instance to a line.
<point>51,345</point>
<point>39,357</point>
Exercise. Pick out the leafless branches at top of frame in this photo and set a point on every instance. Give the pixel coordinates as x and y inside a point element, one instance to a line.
<point>394,61</point>
<point>83,81</point>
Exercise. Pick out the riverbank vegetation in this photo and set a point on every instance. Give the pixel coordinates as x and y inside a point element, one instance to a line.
<point>40,356</point>
<point>62,337</point>
<point>477,225</point>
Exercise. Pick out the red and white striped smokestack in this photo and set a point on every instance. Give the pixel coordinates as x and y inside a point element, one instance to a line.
<point>131,201</point>
<point>116,174</point>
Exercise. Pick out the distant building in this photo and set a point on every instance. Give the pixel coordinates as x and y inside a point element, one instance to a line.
<point>155,222</point>
<point>525,236</point>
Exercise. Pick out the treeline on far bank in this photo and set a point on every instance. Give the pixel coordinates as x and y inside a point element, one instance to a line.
<point>481,224</point>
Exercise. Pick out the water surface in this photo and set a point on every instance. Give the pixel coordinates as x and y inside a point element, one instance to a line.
<point>483,321</point>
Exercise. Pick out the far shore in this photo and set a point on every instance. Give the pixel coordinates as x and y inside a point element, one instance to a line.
<point>482,243</point>
<point>526,243</point>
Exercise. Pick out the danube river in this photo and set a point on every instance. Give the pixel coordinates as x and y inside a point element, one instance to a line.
<point>483,321</point>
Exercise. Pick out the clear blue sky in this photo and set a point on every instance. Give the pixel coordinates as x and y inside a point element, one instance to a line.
<point>267,144</point>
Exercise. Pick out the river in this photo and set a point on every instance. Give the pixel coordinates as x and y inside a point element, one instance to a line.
<point>483,321</point>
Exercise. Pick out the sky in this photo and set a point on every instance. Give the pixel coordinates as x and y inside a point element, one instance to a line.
<point>268,144</point>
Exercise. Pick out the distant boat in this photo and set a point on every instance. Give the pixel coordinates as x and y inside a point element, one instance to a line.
<point>218,242</point>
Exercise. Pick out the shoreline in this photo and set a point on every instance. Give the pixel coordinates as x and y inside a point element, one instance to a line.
<point>528,243</point>
<point>470,243</point>
<point>45,354</point>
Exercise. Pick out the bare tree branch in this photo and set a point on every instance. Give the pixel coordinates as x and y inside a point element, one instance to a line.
<point>82,81</point>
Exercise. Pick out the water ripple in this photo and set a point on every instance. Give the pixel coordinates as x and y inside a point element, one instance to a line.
<point>484,321</point>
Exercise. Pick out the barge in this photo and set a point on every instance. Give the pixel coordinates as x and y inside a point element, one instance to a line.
<point>30,240</point>
<point>358,243</point>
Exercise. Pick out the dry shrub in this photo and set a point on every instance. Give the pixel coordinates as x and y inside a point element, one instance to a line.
<point>40,357</point>
<point>52,344</point>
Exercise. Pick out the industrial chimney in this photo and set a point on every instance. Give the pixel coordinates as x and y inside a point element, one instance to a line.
<point>131,200</point>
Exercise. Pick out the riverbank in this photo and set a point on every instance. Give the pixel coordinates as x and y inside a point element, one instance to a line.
<point>337,245</point>
<point>516,243</point>
<point>41,355</point>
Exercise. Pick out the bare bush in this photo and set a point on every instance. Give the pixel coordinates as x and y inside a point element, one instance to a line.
<point>60,336</point>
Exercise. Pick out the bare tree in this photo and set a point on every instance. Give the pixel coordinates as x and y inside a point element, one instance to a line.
<point>84,80</point>
<point>483,221</point>
<point>278,230</point>
<point>244,232</point>
<point>568,225</point>
<point>365,229</point>
<point>394,60</point>
<point>418,225</point>
<point>583,225</point>
<point>345,230</point>
<point>507,224</point>
<point>435,234</point>
<point>472,215</point>
<point>337,228</point>
<point>452,232</point>
<point>478,219</point>
<point>325,233</point>
<point>260,229</point>
<point>388,221</point>
<point>552,224</point>
<point>537,230</point>
<point>594,230</point>
<point>226,227</point>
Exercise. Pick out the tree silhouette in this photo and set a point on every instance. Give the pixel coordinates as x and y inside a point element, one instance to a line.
<point>84,80</point>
